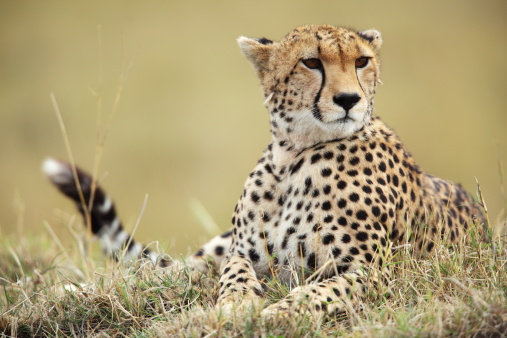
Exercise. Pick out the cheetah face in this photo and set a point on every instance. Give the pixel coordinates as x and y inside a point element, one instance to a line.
<point>318,82</point>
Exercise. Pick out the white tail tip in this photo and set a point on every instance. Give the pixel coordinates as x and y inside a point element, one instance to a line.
<point>58,172</point>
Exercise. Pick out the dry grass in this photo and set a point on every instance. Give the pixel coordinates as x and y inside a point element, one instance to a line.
<point>48,291</point>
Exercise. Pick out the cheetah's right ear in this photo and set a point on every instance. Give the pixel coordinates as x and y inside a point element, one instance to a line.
<point>257,51</point>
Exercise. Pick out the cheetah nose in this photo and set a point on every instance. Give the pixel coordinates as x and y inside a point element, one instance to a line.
<point>346,100</point>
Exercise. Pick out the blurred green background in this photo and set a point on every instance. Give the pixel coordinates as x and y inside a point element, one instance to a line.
<point>190,123</point>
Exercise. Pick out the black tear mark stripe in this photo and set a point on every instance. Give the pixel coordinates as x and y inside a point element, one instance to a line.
<point>316,109</point>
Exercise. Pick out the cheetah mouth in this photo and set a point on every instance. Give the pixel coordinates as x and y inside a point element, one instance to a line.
<point>342,120</point>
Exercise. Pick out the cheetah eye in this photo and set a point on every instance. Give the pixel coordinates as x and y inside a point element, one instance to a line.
<point>362,62</point>
<point>312,63</point>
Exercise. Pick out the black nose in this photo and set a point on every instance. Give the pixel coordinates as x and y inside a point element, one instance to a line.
<point>346,101</point>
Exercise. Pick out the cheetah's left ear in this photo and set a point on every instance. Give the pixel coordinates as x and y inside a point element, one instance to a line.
<point>373,37</point>
<point>257,51</point>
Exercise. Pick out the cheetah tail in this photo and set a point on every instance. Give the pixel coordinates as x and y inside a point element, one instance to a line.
<point>105,223</point>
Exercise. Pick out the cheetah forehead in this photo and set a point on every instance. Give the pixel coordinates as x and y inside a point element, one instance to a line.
<point>304,39</point>
<point>347,39</point>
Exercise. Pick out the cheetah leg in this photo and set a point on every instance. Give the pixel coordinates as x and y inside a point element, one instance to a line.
<point>337,294</point>
<point>239,285</point>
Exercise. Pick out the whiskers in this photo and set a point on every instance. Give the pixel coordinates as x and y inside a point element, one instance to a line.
<point>270,96</point>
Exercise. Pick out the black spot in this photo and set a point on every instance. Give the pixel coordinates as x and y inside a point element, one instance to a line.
<point>290,231</point>
<point>346,238</point>
<point>336,252</point>
<point>368,257</point>
<point>367,189</point>
<point>326,189</point>
<point>266,217</point>
<point>342,221</point>
<point>268,195</point>
<point>326,205</point>
<point>325,172</point>
<point>255,198</point>
<point>395,180</point>
<point>329,238</point>
<point>299,205</point>
<point>340,158</point>
<point>199,253</point>
<point>352,173</point>
<point>354,251</point>
<point>251,215</point>
<point>362,236</point>
<point>254,256</point>
<point>284,243</point>
<point>342,203</point>
<point>367,171</point>
<point>328,219</point>
<point>354,197</point>
<point>375,211</point>
<point>315,158</point>
<point>328,155</point>
<point>394,234</point>
<point>361,215</point>
<point>353,149</point>
<point>354,160</point>
<point>342,185</point>
<point>312,261</point>
<point>226,234</point>
<point>294,169</point>
<point>219,250</point>
<point>368,157</point>
<point>347,259</point>
<point>316,227</point>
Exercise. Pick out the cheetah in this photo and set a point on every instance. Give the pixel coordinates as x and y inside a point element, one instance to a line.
<point>334,190</point>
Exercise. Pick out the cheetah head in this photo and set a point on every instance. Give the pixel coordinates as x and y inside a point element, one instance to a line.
<point>318,82</point>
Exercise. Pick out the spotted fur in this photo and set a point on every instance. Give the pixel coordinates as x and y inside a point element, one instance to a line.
<point>335,189</point>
